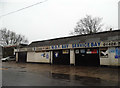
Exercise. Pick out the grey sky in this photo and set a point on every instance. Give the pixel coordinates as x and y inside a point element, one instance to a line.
<point>54,18</point>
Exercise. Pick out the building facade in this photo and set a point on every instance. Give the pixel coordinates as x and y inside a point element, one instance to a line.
<point>90,50</point>
<point>8,50</point>
<point>1,52</point>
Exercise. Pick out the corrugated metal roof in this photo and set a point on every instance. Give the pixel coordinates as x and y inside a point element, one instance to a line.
<point>102,36</point>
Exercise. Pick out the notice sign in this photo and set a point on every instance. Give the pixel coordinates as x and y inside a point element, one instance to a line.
<point>65,52</point>
<point>82,51</point>
<point>77,51</point>
<point>104,53</point>
<point>47,56</point>
<point>43,54</point>
<point>56,54</point>
<point>92,51</point>
<point>88,51</point>
<point>117,52</point>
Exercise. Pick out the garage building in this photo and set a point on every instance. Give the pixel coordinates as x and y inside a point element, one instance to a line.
<point>96,49</point>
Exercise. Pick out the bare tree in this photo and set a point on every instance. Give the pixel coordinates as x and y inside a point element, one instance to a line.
<point>11,38</point>
<point>88,25</point>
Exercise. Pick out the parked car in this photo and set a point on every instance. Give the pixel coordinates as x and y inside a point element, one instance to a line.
<point>10,58</point>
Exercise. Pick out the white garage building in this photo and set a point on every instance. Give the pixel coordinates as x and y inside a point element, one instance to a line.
<point>90,50</point>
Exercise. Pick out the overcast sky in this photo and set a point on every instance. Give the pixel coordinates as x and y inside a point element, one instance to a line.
<point>54,18</point>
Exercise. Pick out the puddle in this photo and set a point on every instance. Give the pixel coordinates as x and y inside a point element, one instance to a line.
<point>60,76</point>
<point>74,77</point>
<point>90,81</point>
<point>22,67</point>
<point>22,71</point>
<point>6,67</point>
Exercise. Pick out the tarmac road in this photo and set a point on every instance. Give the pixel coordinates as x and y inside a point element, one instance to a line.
<point>27,74</point>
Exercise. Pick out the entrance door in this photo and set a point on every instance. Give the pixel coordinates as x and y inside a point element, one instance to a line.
<point>87,57</point>
<point>61,57</point>
<point>22,56</point>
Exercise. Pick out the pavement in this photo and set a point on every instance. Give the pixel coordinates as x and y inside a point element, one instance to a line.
<point>28,74</point>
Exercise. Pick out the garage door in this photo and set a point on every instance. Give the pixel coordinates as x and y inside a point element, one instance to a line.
<point>22,56</point>
<point>87,57</point>
<point>61,57</point>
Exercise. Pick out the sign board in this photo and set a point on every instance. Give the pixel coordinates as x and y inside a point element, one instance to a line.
<point>92,51</point>
<point>104,52</point>
<point>77,51</point>
<point>66,46</point>
<point>72,46</point>
<point>83,45</point>
<point>23,49</point>
<point>82,51</point>
<point>65,51</point>
<point>109,44</point>
<point>43,54</point>
<point>47,56</point>
<point>117,52</point>
<point>56,54</point>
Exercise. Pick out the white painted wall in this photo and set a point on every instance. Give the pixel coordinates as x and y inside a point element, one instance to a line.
<point>37,57</point>
<point>111,60</point>
<point>104,60</point>
<point>72,57</point>
<point>16,57</point>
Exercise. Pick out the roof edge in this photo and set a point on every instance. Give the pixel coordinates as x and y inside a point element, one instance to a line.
<point>75,36</point>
